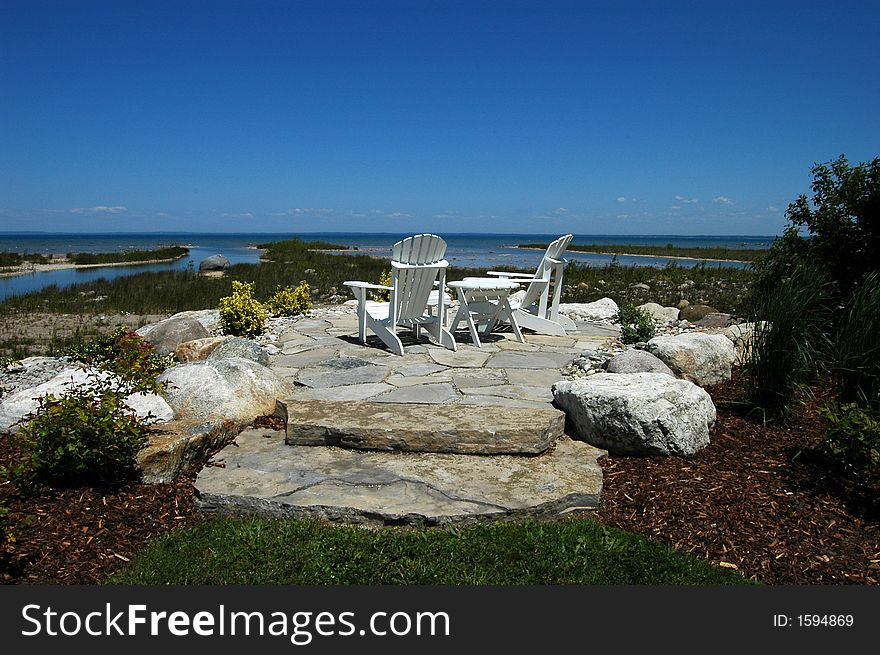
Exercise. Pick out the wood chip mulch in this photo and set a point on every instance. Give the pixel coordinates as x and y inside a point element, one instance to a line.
<point>754,500</point>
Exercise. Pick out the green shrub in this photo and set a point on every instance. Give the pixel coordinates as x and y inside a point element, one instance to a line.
<point>241,314</point>
<point>857,347</point>
<point>126,354</point>
<point>383,295</point>
<point>790,341</point>
<point>838,228</point>
<point>290,302</point>
<point>635,324</point>
<point>853,445</point>
<point>86,436</point>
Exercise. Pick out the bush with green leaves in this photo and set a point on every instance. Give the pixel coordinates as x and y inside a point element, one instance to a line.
<point>838,228</point>
<point>853,445</point>
<point>287,301</point>
<point>126,354</point>
<point>241,314</point>
<point>791,340</point>
<point>383,295</point>
<point>87,436</point>
<point>635,324</point>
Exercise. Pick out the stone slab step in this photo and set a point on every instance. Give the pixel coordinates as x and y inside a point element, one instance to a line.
<point>445,428</point>
<point>260,474</point>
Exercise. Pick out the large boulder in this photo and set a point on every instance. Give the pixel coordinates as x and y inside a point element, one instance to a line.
<point>693,313</point>
<point>213,264</point>
<point>718,320</point>
<point>660,313</point>
<point>167,335</point>
<point>197,349</point>
<point>602,310</point>
<point>17,405</point>
<point>244,348</point>
<point>704,359</point>
<point>637,414</point>
<point>743,336</point>
<point>231,388</point>
<point>637,361</point>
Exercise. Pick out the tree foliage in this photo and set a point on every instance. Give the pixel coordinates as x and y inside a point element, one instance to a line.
<point>838,228</point>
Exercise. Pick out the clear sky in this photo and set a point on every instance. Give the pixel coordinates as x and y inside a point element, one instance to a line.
<point>617,117</point>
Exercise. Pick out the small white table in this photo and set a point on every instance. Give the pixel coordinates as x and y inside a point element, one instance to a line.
<point>483,301</point>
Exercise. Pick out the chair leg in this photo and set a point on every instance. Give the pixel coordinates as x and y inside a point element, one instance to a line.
<point>388,337</point>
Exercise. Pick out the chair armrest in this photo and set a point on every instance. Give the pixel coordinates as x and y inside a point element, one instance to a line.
<point>355,284</point>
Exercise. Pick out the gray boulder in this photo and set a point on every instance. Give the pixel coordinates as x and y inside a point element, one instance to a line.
<point>197,349</point>
<point>16,406</point>
<point>637,361</point>
<point>239,347</point>
<point>704,359</point>
<point>638,414</point>
<point>717,320</point>
<point>214,263</point>
<point>743,336</point>
<point>232,388</point>
<point>659,312</point>
<point>602,310</point>
<point>167,335</point>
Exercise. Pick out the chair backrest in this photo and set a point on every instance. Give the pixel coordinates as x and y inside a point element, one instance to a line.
<point>412,286</point>
<point>545,270</point>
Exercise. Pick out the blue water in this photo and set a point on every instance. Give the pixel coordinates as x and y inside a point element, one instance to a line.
<point>467,250</point>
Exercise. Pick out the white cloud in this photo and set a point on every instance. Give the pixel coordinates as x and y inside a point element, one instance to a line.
<point>621,199</point>
<point>722,200</point>
<point>299,211</point>
<point>562,210</point>
<point>398,215</point>
<point>100,209</point>
<point>242,215</point>
<point>687,201</point>
<point>623,216</point>
<point>773,209</point>
<point>675,207</point>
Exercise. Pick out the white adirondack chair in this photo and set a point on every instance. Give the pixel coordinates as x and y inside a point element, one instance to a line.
<point>417,267</point>
<point>536,311</point>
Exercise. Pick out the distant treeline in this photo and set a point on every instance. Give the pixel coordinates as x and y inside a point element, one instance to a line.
<point>127,256</point>
<point>285,251</point>
<point>17,259</point>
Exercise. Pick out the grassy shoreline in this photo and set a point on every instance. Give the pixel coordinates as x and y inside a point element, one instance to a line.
<point>669,251</point>
<point>12,264</point>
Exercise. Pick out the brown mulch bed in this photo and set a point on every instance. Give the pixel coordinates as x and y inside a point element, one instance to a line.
<point>754,500</point>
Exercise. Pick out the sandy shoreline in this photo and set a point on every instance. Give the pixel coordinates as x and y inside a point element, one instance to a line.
<point>24,269</point>
<point>632,254</point>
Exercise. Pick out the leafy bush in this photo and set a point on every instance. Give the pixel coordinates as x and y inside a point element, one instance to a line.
<point>857,348</point>
<point>842,222</point>
<point>853,445</point>
<point>635,324</point>
<point>241,314</point>
<point>290,302</point>
<point>790,341</point>
<point>383,295</point>
<point>126,354</point>
<point>86,436</point>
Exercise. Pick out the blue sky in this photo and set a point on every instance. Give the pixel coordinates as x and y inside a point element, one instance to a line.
<point>614,117</point>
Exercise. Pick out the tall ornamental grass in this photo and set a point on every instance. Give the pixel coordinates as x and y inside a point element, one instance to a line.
<point>857,348</point>
<point>791,341</point>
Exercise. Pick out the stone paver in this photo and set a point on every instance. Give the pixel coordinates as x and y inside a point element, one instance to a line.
<point>442,392</point>
<point>263,475</point>
<point>462,358</point>
<point>342,371</point>
<point>348,392</point>
<point>530,360</point>
<point>305,358</point>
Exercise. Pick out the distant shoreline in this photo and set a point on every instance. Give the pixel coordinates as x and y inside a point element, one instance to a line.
<point>657,256</point>
<point>27,268</point>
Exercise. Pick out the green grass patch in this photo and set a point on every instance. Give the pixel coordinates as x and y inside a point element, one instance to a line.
<point>289,249</point>
<point>669,250</point>
<point>10,259</point>
<point>257,551</point>
<point>127,256</point>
